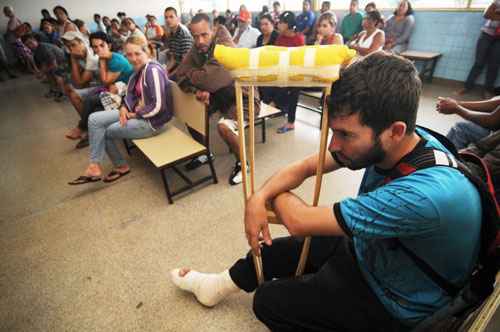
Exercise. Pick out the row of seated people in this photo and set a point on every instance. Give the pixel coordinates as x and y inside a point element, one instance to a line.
<point>398,28</point>
<point>94,58</point>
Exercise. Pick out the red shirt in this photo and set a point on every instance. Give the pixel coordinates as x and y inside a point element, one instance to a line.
<point>286,41</point>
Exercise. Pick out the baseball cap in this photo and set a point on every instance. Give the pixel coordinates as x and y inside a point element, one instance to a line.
<point>71,35</point>
<point>245,16</point>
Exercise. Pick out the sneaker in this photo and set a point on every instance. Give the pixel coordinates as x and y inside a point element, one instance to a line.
<point>236,176</point>
<point>197,162</point>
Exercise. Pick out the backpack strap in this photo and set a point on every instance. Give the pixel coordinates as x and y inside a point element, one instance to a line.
<point>423,157</point>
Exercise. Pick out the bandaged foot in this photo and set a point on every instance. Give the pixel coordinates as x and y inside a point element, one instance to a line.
<point>209,288</point>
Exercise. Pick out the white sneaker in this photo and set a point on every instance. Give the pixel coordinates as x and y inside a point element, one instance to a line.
<point>236,177</point>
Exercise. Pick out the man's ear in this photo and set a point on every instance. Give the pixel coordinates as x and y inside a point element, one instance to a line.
<point>397,131</point>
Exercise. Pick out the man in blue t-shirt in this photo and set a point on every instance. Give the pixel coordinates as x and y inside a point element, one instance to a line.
<point>359,275</point>
<point>305,20</point>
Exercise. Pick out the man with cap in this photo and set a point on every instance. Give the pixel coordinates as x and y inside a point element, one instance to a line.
<point>84,68</point>
<point>246,35</point>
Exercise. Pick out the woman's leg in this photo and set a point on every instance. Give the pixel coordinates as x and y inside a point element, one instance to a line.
<point>135,128</point>
<point>97,125</point>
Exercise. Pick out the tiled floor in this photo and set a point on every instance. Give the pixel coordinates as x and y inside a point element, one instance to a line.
<point>96,257</point>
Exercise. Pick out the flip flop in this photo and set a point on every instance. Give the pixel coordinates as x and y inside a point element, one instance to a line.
<point>84,179</point>
<point>113,173</point>
<point>73,137</point>
<point>284,129</point>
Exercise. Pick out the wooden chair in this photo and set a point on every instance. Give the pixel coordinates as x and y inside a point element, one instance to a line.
<point>175,146</point>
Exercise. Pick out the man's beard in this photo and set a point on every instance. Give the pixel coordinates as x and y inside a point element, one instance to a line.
<point>373,156</point>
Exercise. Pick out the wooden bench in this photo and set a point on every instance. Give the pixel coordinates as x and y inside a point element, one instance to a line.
<point>174,146</point>
<point>316,95</point>
<point>429,60</point>
<point>266,112</point>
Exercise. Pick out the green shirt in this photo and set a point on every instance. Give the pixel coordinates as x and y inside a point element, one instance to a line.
<point>351,25</point>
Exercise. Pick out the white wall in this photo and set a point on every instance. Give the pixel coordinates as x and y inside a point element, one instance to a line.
<point>29,10</point>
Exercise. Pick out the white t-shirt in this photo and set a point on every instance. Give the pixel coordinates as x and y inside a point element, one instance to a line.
<point>490,25</point>
<point>248,38</point>
<point>91,62</point>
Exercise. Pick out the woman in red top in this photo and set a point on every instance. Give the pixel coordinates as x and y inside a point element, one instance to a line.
<point>287,98</point>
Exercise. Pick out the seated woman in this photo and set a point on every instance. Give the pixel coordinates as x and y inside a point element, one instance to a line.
<point>146,109</point>
<point>326,26</point>
<point>399,27</point>
<point>371,39</point>
<point>269,35</point>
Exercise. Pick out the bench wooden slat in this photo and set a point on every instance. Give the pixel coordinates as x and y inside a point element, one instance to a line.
<point>267,111</point>
<point>169,146</point>
<point>419,55</point>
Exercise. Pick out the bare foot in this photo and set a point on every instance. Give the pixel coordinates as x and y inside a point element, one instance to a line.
<point>93,170</point>
<point>183,271</point>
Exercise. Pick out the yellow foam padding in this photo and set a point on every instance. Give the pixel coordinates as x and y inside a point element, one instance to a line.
<point>318,63</point>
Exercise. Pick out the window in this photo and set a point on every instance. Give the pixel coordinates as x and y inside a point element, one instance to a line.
<point>480,3</point>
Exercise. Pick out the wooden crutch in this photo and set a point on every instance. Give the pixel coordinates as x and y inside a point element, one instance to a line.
<point>257,260</point>
<point>319,177</point>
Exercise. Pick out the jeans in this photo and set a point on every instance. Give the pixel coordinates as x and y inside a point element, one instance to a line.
<point>104,128</point>
<point>332,295</point>
<point>91,104</point>
<point>464,133</point>
<point>487,53</point>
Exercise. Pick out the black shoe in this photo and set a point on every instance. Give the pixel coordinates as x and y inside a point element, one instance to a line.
<point>197,162</point>
<point>236,176</point>
<point>83,143</point>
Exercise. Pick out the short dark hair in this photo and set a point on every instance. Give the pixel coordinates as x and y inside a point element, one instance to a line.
<point>171,9</point>
<point>220,20</point>
<point>60,8</point>
<point>374,16</point>
<point>382,88</point>
<point>200,17</point>
<point>99,35</point>
<point>79,23</point>
<point>27,36</point>
<point>371,4</point>
<point>266,17</point>
<point>97,15</point>
<point>276,3</point>
<point>308,1</point>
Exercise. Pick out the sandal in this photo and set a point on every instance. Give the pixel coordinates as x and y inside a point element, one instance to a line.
<point>84,179</point>
<point>114,175</point>
<point>284,129</point>
<point>84,142</point>
<point>71,135</point>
